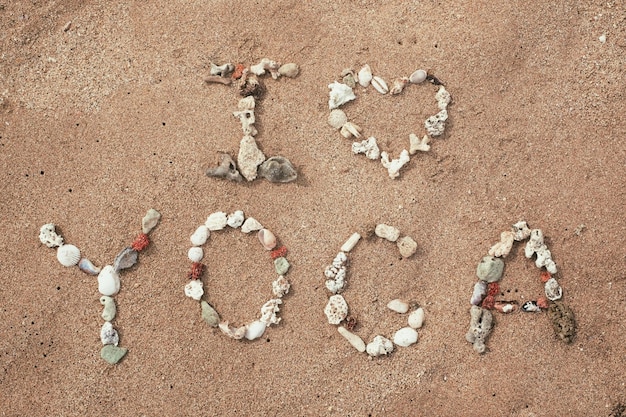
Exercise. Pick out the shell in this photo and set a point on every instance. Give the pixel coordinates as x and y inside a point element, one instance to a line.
<point>387,232</point>
<point>336,310</point>
<point>49,237</point>
<point>418,76</point>
<point>380,85</point>
<point>339,94</point>
<point>226,168</point>
<point>200,236</point>
<point>88,267</point>
<point>398,306</point>
<point>406,246</point>
<point>250,225</point>
<point>109,311</point>
<point>194,289</point>
<point>365,76</point>
<point>255,330</point>
<point>553,290</point>
<point>195,254</point>
<point>480,290</point>
<point>280,287</point>
<point>398,85</point>
<point>235,219</point>
<point>379,346</point>
<point>352,338</point>
<point>68,255</point>
<point>506,306</point>
<point>278,169</point>
<point>216,221</point>
<point>349,130</point>
<point>337,118</point>
<point>267,239</point>
<point>234,332</point>
<point>150,220</point>
<point>416,318</point>
<point>108,335</point>
<point>351,242</point>
<point>530,307</point>
<point>290,70</point>
<point>405,337</point>
<point>125,259</point>
<point>108,281</point>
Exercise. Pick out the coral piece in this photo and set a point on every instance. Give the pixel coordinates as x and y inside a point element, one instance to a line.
<point>417,144</point>
<point>505,306</point>
<point>230,331</point>
<point>280,287</point>
<point>336,310</point>
<point>194,289</point>
<point>545,276</point>
<point>368,147</point>
<point>520,231</point>
<point>278,252</point>
<point>398,85</point>
<point>387,232</point>
<point>266,64</point>
<point>249,157</point>
<point>443,98</point>
<point>338,281</point>
<point>278,169</point>
<point>351,242</point>
<point>349,130</point>
<point>141,242</point>
<point>394,166</point>
<point>340,94</point>
<point>226,169</point>
<point>407,246</point>
<point>216,221</point>
<point>270,310</point>
<point>542,302</point>
<point>553,290</point>
<point>352,338</point>
<point>493,288</point>
<point>436,125</point>
<point>503,247</point>
<point>563,321</point>
<point>480,326</point>
<point>379,346</point>
<point>221,70</point>
<point>197,269</point>
<point>249,85</point>
<point>235,219</point>
<point>49,237</point>
<point>195,254</point>
<point>238,72</point>
<point>200,236</point>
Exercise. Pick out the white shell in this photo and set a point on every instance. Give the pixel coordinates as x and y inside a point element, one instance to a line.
<point>553,290</point>
<point>108,335</point>
<point>49,237</point>
<point>349,130</point>
<point>398,306</point>
<point>68,255</point>
<point>255,330</point>
<point>354,340</point>
<point>336,310</point>
<point>407,246</point>
<point>150,220</point>
<point>351,242</point>
<point>250,225</point>
<point>235,219</point>
<point>267,239</point>
<point>418,76</point>
<point>379,346</point>
<point>340,94</point>
<point>195,254</point>
<point>416,318</point>
<point>216,221</point>
<point>194,289</point>
<point>404,337</point>
<point>387,232</point>
<point>337,118</point>
<point>88,267</point>
<point>280,287</point>
<point>365,76</point>
<point>200,236</point>
<point>108,281</point>
<point>380,85</point>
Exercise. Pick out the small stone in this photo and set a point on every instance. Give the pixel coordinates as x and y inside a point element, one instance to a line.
<point>351,242</point>
<point>416,318</point>
<point>249,157</point>
<point>407,246</point>
<point>125,259</point>
<point>387,232</point>
<point>405,337</point>
<point>226,168</point>
<point>251,225</point>
<point>109,311</point>
<point>479,292</point>
<point>200,236</point>
<point>553,290</point>
<point>336,310</point>
<point>398,306</point>
<point>235,219</point>
<point>278,169</point>
<point>150,220</point>
<point>337,118</point>
<point>209,314</point>
<point>379,346</point>
<point>255,330</point>
<point>195,254</point>
<point>112,354</point>
<point>352,338</point>
<point>281,265</point>
<point>490,269</point>
<point>108,335</point>
<point>290,70</point>
<point>216,221</point>
<point>194,289</point>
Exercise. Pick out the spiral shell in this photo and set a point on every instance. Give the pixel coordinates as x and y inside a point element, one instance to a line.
<point>68,255</point>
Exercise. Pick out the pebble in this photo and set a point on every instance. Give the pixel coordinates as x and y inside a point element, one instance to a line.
<point>216,221</point>
<point>407,246</point>
<point>281,265</point>
<point>109,311</point>
<point>405,337</point>
<point>249,157</point>
<point>200,236</point>
<point>351,242</point>
<point>398,306</point>
<point>416,318</point>
<point>125,259</point>
<point>379,346</point>
<point>112,354</point>
<point>108,335</point>
<point>194,289</point>
<point>195,254</point>
<point>226,169</point>
<point>209,314</point>
<point>150,220</point>
<point>490,269</point>
<point>352,338</point>
<point>251,225</point>
<point>235,219</point>
<point>336,310</point>
<point>290,70</point>
<point>68,255</point>
<point>553,290</point>
<point>480,290</point>
<point>387,232</point>
<point>278,169</point>
<point>108,281</point>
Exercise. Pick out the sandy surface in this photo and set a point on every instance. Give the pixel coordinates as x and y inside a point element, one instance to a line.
<point>110,118</point>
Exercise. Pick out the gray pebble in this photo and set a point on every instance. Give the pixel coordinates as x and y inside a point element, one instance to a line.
<point>281,265</point>
<point>209,314</point>
<point>109,311</point>
<point>490,269</point>
<point>112,354</point>
<point>226,169</point>
<point>278,169</point>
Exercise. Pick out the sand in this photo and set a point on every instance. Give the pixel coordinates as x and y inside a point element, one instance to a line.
<point>111,117</point>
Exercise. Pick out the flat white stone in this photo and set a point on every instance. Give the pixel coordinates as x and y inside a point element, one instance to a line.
<point>195,254</point>
<point>194,289</point>
<point>398,306</point>
<point>416,318</point>
<point>354,340</point>
<point>216,221</point>
<point>351,242</point>
<point>405,337</point>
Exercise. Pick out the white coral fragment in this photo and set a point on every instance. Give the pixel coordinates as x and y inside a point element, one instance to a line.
<point>481,323</point>
<point>336,310</point>
<point>194,289</point>
<point>521,231</point>
<point>338,281</point>
<point>280,287</point>
<point>340,94</point>
<point>266,64</point>
<point>387,232</point>
<point>436,125</point>
<point>49,237</point>
<point>379,346</point>
<point>230,331</point>
<point>368,147</point>
<point>503,247</point>
<point>536,245</point>
<point>216,221</point>
<point>443,98</point>
<point>349,130</point>
<point>269,311</point>
<point>394,166</point>
<point>417,144</point>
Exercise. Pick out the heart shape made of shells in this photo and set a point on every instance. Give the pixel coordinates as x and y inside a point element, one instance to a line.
<point>343,92</point>
<point>336,309</point>
<point>486,290</point>
<point>280,287</point>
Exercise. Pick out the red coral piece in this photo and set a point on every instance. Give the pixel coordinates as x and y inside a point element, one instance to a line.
<point>279,252</point>
<point>238,72</point>
<point>141,242</point>
<point>545,276</point>
<point>543,302</point>
<point>489,302</point>
<point>197,268</point>
<point>493,288</point>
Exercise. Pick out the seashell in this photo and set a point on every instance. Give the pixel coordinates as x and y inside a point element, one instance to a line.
<point>87,267</point>
<point>150,220</point>
<point>480,290</point>
<point>235,219</point>
<point>216,221</point>
<point>387,232</point>
<point>209,314</point>
<point>280,287</point>
<point>417,144</point>
<point>405,337</point>
<point>365,76</point>
<point>406,246</point>
<point>394,166</point>
<point>278,169</point>
<point>194,289</point>
<point>108,335</point>
<point>112,354</point>
<point>290,70</point>
<point>125,259</point>
<point>436,125</point>
<point>352,338</point>
<point>369,147</point>
<point>553,290</point>
<point>195,254</point>
<point>267,239</point>
<point>416,318</point>
<point>254,330</point>
<point>108,281</point>
<point>109,311</point>
<point>250,225</point>
<point>336,310</point>
<point>443,98</point>
<point>349,130</point>
<point>351,242</point>
<point>379,346</point>
<point>398,306</point>
<point>398,85</point>
<point>225,169</point>
<point>337,118</point>
<point>530,307</point>
<point>340,94</point>
<point>235,333</point>
<point>490,269</point>
<point>49,237</point>
<point>418,76</point>
<point>68,255</point>
<point>249,158</point>
<point>200,236</point>
<point>380,85</point>
<point>270,310</point>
